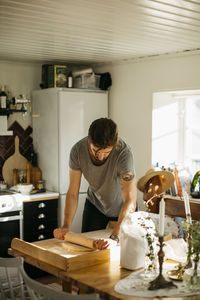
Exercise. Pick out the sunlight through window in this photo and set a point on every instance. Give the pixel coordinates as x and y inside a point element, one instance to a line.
<point>176,130</point>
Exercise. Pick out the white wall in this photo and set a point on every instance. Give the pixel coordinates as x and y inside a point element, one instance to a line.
<point>130,99</point>
<point>20,78</point>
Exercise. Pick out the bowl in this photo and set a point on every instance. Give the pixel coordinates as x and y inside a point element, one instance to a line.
<point>25,188</point>
<point>3,185</point>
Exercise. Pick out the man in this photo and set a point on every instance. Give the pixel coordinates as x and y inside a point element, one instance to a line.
<point>107,164</point>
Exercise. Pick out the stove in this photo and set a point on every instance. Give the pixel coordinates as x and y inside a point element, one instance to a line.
<point>6,192</point>
<point>10,201</point>
<point>11,217</point>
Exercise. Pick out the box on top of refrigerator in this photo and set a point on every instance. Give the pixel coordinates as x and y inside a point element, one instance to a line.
<point>54,75</point>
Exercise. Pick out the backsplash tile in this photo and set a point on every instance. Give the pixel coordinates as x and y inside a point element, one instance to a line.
<point>7,144</point>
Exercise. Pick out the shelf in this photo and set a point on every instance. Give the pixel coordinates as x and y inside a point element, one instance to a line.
<point>174,206</point>
<point>10,111</point>
<point>6,133</point>
<point>4,113</point>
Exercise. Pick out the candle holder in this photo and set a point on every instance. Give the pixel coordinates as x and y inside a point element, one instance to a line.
<point>188,225</point>
<point>160,282</point>
<point>179,271</point>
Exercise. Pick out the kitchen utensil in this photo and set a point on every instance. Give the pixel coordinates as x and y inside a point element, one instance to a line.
<point>3,185</point>
<point>25,188</point>
<point>28,168</point>
<point>34,174</point>
<point>80,239</point>
<point>15,161</point>
<point>15,180</point>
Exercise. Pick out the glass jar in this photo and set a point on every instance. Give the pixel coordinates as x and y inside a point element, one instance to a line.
<point>40,186</point>
<point>191,277</point>
<point>22,175</point>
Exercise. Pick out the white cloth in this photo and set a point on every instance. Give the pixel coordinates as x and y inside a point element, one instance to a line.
<point>176,249</point>
<point>136,285</point>
<point>133,242</point>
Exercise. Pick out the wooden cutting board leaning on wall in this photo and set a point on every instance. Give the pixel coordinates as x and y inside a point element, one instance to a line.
<point>34,174</point>
<point>19,162</point>
<point>15,161</point>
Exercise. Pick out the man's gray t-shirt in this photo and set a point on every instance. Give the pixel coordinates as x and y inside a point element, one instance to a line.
<point>104,190</point>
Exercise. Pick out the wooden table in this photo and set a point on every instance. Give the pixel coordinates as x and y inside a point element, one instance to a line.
<point>99,278</point>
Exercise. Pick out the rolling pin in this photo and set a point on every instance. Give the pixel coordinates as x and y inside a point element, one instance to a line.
<point>79,239</point>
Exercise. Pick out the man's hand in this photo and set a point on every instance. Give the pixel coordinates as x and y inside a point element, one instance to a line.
<point>104,243</point>
<point>59,233</point>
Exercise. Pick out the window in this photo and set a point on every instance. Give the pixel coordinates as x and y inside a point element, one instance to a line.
<point>176,130</point>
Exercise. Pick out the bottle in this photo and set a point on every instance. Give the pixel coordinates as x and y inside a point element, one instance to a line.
<point>3,98</point>
<point>195,185</point>
<point>69,80</point>
<point>8,100</point>
<point>34,158</point>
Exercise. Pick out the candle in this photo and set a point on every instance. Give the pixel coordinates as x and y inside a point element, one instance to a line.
<point>187,203</point>
<point>161,217</point>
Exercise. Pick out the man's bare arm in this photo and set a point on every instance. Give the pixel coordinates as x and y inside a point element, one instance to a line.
<point>129,196</point>
<point>71,203</point>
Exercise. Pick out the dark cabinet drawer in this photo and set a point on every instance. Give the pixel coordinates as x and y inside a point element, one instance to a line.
<point>40,210</point>
<point>38,236</point>
<point>39,227</point>
<point>40,219</point>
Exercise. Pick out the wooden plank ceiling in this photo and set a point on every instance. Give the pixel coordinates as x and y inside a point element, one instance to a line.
<point>96,31</point>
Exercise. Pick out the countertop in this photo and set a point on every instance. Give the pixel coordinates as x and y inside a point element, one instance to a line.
<point>40,196</point>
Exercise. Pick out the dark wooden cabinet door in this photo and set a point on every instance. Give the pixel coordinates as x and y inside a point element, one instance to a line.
<point>40,219</point>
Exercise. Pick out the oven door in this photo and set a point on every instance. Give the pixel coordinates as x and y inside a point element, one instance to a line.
<point>10,227</point>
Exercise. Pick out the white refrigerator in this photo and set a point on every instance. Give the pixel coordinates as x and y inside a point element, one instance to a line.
<point>61,117</point>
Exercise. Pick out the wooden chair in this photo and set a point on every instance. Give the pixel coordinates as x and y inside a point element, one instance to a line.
<point>24,287</point>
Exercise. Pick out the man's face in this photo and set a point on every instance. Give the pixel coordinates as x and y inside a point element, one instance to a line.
<point>99,155</point>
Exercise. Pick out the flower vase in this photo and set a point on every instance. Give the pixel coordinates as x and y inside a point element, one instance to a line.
<point>150,267</point>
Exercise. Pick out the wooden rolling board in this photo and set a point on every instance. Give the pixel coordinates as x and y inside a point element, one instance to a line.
<point>54,252</point>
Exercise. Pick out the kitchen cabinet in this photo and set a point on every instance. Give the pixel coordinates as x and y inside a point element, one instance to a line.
<point>40,219</point>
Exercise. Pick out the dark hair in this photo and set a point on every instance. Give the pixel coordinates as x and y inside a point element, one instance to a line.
<point>103,133</point>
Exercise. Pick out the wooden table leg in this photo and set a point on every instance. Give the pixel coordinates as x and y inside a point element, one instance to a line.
<point>67,285</point>
<point>75,287</point>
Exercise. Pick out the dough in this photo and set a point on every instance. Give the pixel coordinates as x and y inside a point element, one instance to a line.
<point>77,248</point>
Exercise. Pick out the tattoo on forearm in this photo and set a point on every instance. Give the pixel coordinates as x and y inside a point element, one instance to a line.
<point>128,177</point>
